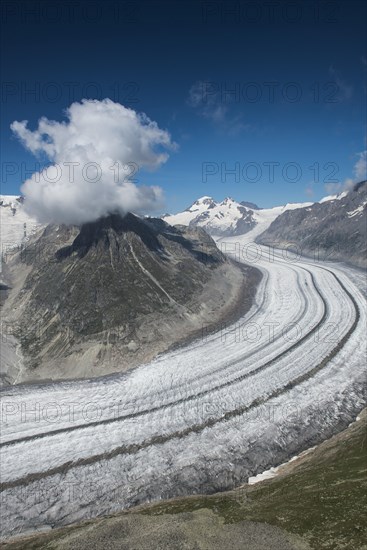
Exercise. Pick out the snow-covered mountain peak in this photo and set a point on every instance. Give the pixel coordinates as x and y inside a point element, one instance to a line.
<point>205,199</point>
<point>228,217</point>
<point>202,204</point>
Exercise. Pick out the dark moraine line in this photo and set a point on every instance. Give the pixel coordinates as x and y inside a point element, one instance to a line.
<point>160,440</point>
<point>191,397</point>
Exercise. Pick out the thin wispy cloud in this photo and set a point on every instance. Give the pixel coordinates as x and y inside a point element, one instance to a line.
<point>360,167</point>
<point>206,99</point>
<point>344,89</point>
<point>309,191</point>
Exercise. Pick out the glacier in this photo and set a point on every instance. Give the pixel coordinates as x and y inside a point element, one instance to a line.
<point>202,418</point>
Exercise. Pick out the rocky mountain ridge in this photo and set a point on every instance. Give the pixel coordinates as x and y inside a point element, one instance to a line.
<point>332,230</point>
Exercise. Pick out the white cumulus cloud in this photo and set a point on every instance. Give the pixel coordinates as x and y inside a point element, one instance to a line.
<point>360,174</point>
<point>93,156</point>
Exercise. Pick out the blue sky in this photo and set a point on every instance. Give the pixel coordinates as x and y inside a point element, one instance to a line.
<point>297,71</point>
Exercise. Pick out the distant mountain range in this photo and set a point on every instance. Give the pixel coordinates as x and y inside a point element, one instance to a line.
<point>334,229</point>
<point>229,217</point>
<point>337,223</point>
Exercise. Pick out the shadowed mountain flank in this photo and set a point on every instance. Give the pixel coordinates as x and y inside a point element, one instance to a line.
<point>107,295</point>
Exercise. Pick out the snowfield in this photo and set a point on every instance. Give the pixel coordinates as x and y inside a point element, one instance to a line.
<point>202,418</point>
<point>16,224</point>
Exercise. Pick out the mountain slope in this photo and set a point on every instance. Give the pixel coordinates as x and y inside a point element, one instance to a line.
<point>106,296</point>
<point>227,218</point>
<point>334,229</point>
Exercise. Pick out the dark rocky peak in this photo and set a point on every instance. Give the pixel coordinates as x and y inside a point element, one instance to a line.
<point>100,231</point>
<point>154,233</point>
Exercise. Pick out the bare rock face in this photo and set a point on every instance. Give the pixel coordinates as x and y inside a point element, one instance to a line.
<point>103,297</point>
<point>334,230</point>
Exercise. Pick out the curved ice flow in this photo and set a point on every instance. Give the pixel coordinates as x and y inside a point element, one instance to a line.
<point>178,368</point>
<point>203,411</point>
